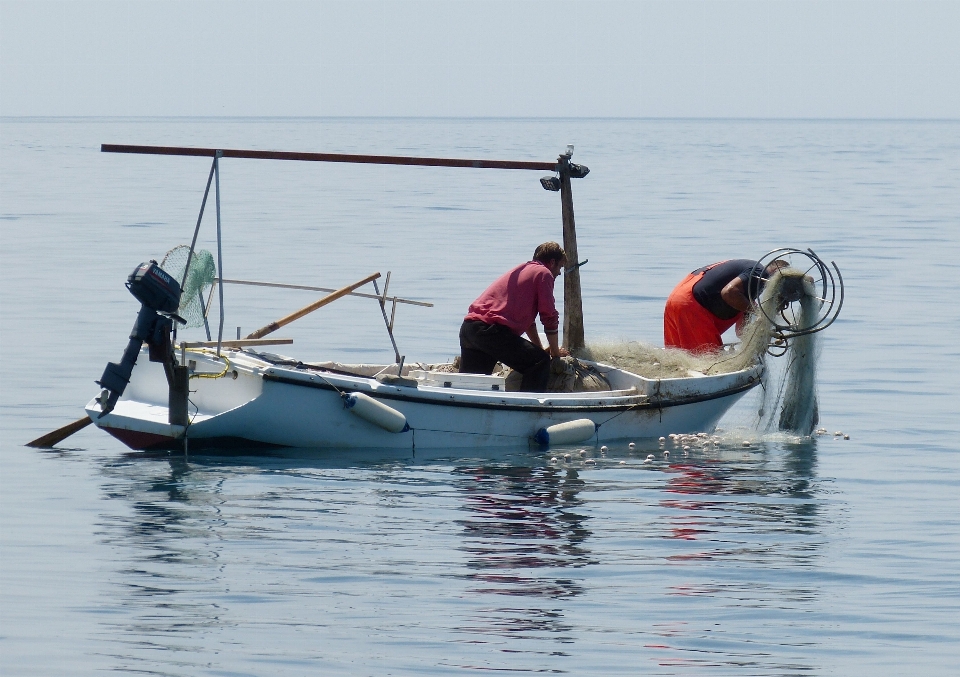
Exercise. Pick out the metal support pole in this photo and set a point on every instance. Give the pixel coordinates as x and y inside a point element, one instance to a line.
<point>196,231</point>
<point>193,245</point>
<point>203,307</point>
<point>216,171</point>
<point>383,310</point>
<point>572,301</point>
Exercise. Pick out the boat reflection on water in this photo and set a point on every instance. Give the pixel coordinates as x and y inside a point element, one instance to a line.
<point>736,474</point>
<point>164,556</point>
<point>510,547</point>
<point>523,529</point>
<point>523,519</point>
<point>732,521</point>
<point>760,492</point>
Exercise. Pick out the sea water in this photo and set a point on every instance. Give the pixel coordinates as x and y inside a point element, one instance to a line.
<point>787,556</point>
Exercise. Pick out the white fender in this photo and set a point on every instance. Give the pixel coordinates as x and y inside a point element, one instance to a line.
<point>569,432</point>
<point>376,412</point>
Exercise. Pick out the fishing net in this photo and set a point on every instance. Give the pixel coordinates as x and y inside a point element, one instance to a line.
<point>646,360</point>
<point>567,375</point>
<point>790,389</point>
<point>793,390</point>
<point>202,273</point>
<point>654,362</point>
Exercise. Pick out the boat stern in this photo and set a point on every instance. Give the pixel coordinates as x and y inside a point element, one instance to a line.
<point>137,424</point>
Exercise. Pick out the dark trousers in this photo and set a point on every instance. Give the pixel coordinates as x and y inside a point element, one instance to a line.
<point>482,345</point>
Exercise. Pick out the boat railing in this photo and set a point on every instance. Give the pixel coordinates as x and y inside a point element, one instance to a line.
<point>280,285</point>
<point>381,298</point>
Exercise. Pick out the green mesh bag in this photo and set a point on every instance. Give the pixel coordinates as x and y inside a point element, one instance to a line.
<point>202,273</point>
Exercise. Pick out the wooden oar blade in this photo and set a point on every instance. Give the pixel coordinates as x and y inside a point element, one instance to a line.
<point>60,434</point>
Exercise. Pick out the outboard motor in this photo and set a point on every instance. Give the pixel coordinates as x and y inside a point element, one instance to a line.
<point>159,295</point>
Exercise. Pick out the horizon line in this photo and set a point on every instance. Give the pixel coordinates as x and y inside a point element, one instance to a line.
<point>652,118</point>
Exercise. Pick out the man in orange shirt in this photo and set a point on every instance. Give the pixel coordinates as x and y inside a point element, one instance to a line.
<point>710,300</point>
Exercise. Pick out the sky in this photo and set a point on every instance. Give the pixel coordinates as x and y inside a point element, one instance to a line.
<point>583,58</point>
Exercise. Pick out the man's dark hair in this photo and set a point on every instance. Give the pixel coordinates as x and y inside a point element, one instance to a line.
<point>549,252</point>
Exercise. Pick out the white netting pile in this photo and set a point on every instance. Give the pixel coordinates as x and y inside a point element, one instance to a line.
<point>793,393</point>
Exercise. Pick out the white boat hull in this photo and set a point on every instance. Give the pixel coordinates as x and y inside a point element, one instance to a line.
<point>258,403</point>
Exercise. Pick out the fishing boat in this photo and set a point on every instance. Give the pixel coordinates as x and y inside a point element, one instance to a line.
<point>166,393</point>
<point>255,398</point>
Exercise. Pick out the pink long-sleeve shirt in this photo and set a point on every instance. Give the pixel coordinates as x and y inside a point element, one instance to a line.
<point>515,299</point>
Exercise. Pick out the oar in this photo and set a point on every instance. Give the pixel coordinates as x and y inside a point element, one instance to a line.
<point>273,326</point>
<point>60,434</point>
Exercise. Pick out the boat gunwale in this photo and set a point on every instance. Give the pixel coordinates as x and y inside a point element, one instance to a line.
<point>639,402</point>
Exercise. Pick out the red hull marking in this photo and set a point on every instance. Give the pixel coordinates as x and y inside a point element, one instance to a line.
<point>138,440</point>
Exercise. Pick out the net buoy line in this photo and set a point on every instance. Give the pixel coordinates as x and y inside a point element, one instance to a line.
<point>572,432</point>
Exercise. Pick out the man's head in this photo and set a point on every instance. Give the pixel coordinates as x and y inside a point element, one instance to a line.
<point>552,256</point>
<point>774,266</point>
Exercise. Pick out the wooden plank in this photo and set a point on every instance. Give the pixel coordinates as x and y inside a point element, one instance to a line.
<point>328,157</point>
<point>237,343</point>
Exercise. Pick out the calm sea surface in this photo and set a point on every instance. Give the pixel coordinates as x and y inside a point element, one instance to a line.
<point>793,557</point>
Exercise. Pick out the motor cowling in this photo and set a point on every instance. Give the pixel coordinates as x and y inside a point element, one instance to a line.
<point>152,286</point>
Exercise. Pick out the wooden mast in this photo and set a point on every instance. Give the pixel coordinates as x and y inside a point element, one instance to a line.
<point>572,300</point>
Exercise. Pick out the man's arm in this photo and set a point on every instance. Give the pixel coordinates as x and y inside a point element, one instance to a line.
<point>547,309</point>
<point>553,345</point>
<point>735,296</point>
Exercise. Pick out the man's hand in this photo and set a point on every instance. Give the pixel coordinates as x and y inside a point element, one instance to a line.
<point>555,350</point>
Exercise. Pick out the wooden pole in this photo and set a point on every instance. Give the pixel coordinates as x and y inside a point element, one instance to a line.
<point>326,157</point>
<point>273,326</point>
<point>572,301</point>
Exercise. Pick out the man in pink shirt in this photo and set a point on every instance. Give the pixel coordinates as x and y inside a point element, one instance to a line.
<point>495,323</point>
